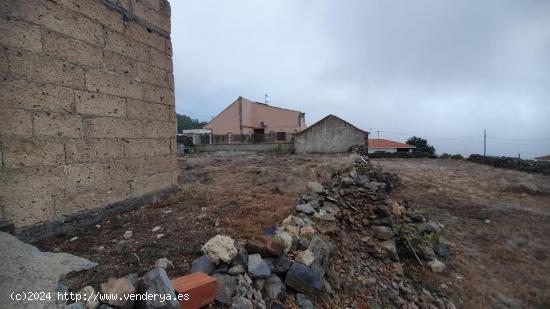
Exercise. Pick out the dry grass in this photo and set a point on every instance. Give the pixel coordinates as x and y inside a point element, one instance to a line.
<point>504,263</point>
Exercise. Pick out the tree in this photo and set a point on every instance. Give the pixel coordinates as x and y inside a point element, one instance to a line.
<point>185,122</point>
<point>421,145</point>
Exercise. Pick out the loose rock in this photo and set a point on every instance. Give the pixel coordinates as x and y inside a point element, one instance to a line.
<point>302,278</point>
<point>156,282</point>
<point>122,287</point>
<point>258,268</point>
<point>305,257</point>
<point>305,208</point>
<point>226,288</point>
<point>220,248</point>
<point>315,187</point>
<point>273,286</point>
<point>382,232</point>
<point>203,264</point>
<point>265,245</point>
<point>89,300</point>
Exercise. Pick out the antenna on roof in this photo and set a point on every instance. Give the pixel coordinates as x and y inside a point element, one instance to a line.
<point>265,98</point>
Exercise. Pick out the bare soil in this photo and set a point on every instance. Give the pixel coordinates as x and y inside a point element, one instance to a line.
<point>242,193</point>
<point>498,224</point>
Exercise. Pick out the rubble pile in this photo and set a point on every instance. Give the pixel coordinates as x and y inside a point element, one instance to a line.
<point>341,247</point>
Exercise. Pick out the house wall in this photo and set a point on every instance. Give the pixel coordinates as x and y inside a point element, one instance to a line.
<point>252,113</point>
<point>227,121</point>
<point>86,109</point>
<point>391,150</point>
<point>275,119</point>
<point>330,136</point>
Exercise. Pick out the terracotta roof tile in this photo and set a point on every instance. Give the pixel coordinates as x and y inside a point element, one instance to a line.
<point>385,143</point>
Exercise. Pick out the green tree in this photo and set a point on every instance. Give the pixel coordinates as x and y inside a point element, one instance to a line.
<point>421,144</point>
<point>185,123</point>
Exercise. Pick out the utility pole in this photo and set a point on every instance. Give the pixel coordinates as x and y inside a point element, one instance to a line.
<point>484,142</point>
<point>377,134</point>
<point>265,98</point>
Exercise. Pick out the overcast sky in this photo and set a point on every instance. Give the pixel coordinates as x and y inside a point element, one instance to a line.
<point>444,70</point>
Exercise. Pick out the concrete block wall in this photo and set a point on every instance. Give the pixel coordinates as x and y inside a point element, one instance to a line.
<point>87,114</point>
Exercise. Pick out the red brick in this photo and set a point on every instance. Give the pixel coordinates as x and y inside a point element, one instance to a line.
<point>200,288</point>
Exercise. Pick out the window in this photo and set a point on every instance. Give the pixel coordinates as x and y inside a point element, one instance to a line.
<point>281,136</point>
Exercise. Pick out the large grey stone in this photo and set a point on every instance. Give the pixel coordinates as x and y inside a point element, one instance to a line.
<point>156,282</point>
<point>226,288</point>
<point>273,286</point>
<point>315,187</point>
<point>304,302</point>
<point>279,264</point>
<point>240,302</point>
<point>122,287</point>
<point>305,208</point>
<point>382,232</point>
<point>203,264</point>
<point>257,267</point>
<point>303,278</point>
<point>321,251</point>
<point>24,268</point>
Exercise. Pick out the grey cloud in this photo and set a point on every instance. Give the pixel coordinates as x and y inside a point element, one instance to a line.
<point>432,68</point>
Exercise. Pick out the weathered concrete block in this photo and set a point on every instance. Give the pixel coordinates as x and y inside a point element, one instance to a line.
<point>161,60</point>
<point>18,154</point>
<point>19,34</point>
<point>151,164</point>
<point>151,183</point>
<point>43,69</point>
<point>37,96</point>
<point>146,147</point>
<point>97,176</point>
<point>60,19</point>
<point>57,125</point>
<point>96,11</point>
<point>148,111</point>
<point>110,83</point>
<point>30,194</point>
<point>158,129</point>
<point>107,127</point>
<point>127,47</point>
<point>141,34</point>
<point>93,150</point>
<point>151,74</point>
<point>72,50</point>
<point>15,122</point>
<point>92,103</point>
<point>119,64</point>
<point>152,93</point>
<point>152,16</point>
<point>93,199</point>
<point>168,47</point>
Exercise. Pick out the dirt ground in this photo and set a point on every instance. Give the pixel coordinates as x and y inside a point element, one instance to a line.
<point>498,222</point>
<point>241,193</point>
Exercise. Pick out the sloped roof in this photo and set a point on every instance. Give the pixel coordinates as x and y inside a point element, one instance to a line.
<point>386,143</point>
<point>543,158</point>
<point>327,117</point>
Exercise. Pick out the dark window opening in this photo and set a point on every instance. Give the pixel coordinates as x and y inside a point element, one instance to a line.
<point>281,136</point>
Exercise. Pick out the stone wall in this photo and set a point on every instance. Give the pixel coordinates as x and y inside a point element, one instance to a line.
<point>530,166</point>
<point>329,135</point>
<point>86,109</point>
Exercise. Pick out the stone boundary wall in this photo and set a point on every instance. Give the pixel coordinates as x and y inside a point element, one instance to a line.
<point>87,114</point>
<point>410,155</point>
<point>263,147</point>
<point>530,166</point>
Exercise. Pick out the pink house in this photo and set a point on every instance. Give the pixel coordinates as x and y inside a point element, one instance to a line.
<point>247,117</point>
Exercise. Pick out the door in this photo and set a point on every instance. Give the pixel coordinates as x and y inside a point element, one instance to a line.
<point>259,136</point>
